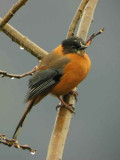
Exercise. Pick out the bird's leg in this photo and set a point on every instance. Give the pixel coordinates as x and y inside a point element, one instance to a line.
<point>75,94</point>
<point>65,105</point>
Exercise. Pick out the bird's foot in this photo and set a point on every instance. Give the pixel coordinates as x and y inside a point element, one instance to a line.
<point>68,107</point>
<point>65,105</point>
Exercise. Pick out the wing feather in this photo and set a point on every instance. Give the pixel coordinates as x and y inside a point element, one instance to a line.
<point>42,81</point>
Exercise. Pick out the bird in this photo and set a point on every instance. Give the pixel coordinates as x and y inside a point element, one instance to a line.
<point>58,74</point>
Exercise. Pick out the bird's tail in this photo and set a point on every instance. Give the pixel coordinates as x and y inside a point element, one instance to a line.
<point>24,116</point>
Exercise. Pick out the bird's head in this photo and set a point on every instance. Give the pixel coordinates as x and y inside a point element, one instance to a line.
<point>73,45</point>
<point>76,45</point>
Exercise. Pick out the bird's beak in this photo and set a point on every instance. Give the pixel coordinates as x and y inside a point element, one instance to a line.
<point>83,46</point>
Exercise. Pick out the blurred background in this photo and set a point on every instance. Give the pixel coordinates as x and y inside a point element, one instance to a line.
<point>95,129</point>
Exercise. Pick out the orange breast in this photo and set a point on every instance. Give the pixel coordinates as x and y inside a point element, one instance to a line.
<point>73,73</point>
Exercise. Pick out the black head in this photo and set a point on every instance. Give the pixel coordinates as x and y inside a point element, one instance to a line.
<point>73,45</point>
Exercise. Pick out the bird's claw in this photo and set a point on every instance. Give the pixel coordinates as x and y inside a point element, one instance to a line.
<point>67,106</point>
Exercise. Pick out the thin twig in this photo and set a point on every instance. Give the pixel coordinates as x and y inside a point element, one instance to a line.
<point>12,142</point>
<point>23,41</point>
<point>89,41</point>
<point>13,76</point>
<point>76,18</point>
<point>11,12</point>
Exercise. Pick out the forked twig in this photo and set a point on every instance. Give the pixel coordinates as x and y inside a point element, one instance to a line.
<point>76,18</point>
<point>86,19</point>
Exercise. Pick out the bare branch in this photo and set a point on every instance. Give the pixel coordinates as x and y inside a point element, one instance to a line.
<point>60,131</point>
<point>23,41</point>
<point>86,19</point>
<point>76,18</point>
<point>63,119</point>
<point>13,76</point>
<point>12,142</point>
<point>11,12</point>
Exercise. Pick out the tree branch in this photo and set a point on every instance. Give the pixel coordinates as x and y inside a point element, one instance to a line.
<point>23,41</point>
<point>87,19</point>
<point>60,131</point>
<point>63,119</point>
<point>76,18</point>
<point>11,12</point>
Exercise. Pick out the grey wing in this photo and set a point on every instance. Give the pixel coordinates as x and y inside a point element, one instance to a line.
<point>42,81</point>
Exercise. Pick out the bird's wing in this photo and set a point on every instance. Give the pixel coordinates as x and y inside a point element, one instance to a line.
<point>42,81</point>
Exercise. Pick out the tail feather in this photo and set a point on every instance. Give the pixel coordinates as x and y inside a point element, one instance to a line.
<point>25,114</point>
